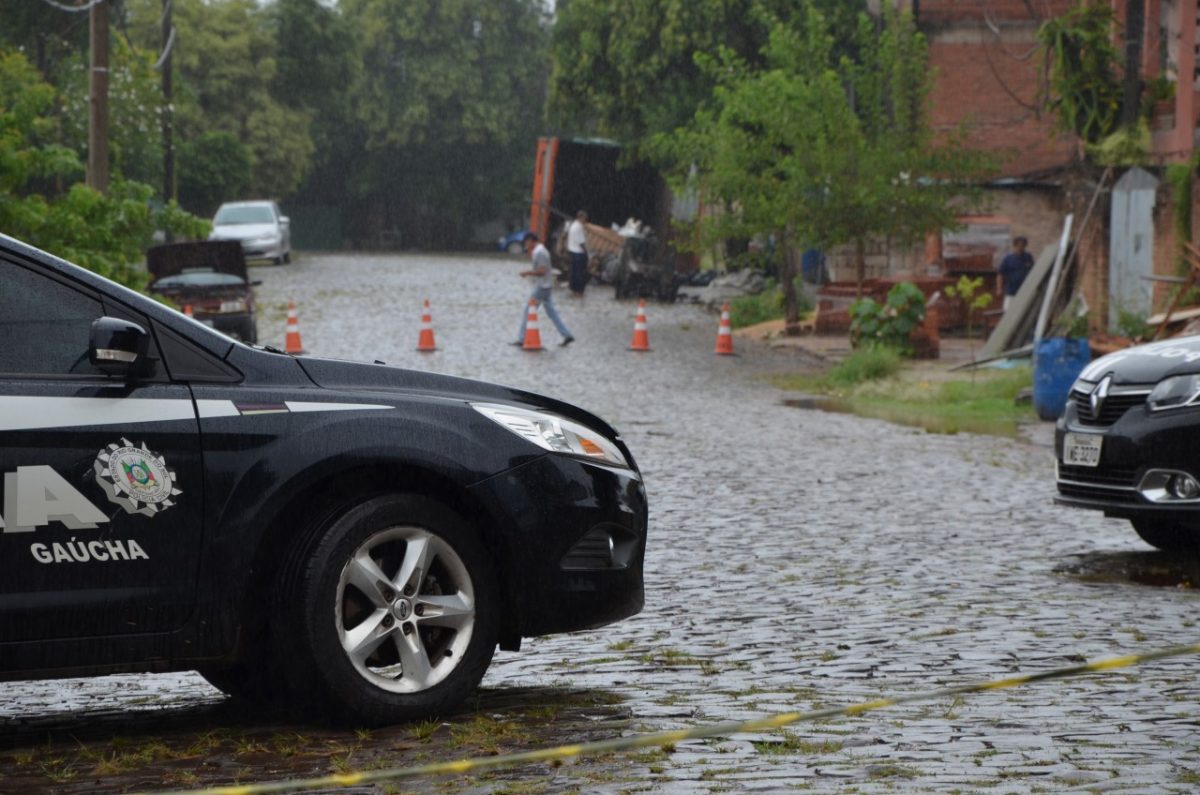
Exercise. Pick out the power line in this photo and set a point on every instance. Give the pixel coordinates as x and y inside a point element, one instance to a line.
<point>72,9</point>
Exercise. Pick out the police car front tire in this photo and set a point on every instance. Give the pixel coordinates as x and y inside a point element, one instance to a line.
<point>396,610</point>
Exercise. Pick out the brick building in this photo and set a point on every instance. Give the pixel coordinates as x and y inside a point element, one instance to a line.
<point>988,75</point>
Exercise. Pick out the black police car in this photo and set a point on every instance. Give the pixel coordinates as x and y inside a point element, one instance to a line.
<point>353,538</point>
<point>1128,442</point>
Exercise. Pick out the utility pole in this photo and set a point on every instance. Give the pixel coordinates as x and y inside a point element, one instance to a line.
<point>97,164</point>
<point>168,114</point>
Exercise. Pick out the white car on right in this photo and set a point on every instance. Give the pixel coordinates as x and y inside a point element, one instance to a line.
<point>263,231</point>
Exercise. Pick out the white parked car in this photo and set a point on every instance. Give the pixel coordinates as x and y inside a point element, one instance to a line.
<point>260,227</point>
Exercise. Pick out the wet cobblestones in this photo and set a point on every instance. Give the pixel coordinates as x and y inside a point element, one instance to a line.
<point>797,560</point>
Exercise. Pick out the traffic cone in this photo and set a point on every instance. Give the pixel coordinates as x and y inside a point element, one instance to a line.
<point>725,334</point>
<point>187,310</point>
<point>292,342</point>
<point>425,342</point>
<point>641,339</point>
<point>533,337</point>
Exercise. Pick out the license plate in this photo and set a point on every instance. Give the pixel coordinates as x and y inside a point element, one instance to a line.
<point>1082,449</point>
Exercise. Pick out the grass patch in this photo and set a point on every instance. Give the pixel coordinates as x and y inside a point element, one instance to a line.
<point>862,385</point>
<point>795,744</point>
<point>872,363</point>
<point>750,310</point>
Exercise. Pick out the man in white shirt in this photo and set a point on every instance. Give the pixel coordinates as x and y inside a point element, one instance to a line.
<point>543,286</point>
<point>577,251</point>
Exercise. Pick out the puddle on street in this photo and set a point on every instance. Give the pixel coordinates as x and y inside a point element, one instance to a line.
<point>1145,568</point>
<point>907,415</point>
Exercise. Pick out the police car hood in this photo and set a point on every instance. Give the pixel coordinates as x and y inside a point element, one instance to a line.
<point>338,374</point>
<point>1148,364</point>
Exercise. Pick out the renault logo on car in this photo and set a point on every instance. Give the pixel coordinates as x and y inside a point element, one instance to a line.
<point>1099,394</point>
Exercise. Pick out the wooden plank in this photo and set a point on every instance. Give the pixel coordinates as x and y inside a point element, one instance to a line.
<point>1175,317</point>
<point>1043,318</point>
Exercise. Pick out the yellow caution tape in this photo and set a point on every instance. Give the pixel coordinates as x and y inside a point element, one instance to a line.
<point>665,738</point>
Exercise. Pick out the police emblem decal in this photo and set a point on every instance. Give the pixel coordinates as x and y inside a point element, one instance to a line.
<point>135,478</point>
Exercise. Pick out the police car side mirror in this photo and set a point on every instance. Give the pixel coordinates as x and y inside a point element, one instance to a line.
<point>117,347</point>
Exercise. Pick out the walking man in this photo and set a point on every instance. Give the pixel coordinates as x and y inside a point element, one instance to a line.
<point>543,285</point>
<point>577,251</point>
<point>1014,268</point>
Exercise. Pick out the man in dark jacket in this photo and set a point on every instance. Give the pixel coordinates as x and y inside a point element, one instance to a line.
<point>1014,268</point>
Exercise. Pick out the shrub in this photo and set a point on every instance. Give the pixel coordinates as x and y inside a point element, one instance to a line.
<point>891,323</point>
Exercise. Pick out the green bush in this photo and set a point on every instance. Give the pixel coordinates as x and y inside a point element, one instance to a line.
<point>890,323</point>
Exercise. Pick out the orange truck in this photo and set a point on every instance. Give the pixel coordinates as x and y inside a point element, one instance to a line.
<point>573,174</point>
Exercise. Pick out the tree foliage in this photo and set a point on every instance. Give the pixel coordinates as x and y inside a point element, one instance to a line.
<point>1083,90</point>
<point>626,68</point>
<point>822,149</point>
<point>447,110</point>
<point>106,234</point>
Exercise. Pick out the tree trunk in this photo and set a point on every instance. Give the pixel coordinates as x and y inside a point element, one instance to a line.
<point>787,280</point>
<point>860,265</point>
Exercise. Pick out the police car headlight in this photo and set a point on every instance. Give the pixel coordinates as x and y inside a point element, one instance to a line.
<point>554,433</point>
<point>1175,392</point>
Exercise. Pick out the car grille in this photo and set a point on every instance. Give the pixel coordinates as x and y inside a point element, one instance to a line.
<point>1112,484</point>
<point>1113,409</point>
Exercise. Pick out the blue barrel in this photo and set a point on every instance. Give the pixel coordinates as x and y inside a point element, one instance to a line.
<point>1057,362</point>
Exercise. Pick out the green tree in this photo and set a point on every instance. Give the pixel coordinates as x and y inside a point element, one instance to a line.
<point>106,234</point>
<point>134,110</point>
<point>448,110</point>
<point>212,168</point>
<point>788,153</point>
<point>627,69</point>
<point>225,68</point>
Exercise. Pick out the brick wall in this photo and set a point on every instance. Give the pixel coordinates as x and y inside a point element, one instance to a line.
<point>987,79</point>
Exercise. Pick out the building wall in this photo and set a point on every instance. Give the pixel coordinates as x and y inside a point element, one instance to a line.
<point>1035,212</point>
<point>988,74</point>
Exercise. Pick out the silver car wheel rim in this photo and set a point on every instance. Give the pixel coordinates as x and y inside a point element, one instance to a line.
<point>405,609</point>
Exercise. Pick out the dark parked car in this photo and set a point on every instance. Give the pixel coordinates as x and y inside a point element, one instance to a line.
<point>353,540</point>
<point>211,279</point>
<point>1127,443</point>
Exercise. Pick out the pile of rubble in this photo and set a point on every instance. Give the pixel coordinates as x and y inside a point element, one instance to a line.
<point>724,288</point>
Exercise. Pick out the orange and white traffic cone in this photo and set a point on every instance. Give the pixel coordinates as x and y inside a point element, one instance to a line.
<point>533,337</point>
<point>725,334</point>
<point>425,343</point>
<point>187,310</point>
<point>641,339</point>
<point>292,342</point>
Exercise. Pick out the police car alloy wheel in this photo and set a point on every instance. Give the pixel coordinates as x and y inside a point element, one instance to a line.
<point>398,610</point>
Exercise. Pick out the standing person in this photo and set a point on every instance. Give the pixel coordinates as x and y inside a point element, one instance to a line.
<point>543,286</point>
<point>1014,268</point>
<point>577,251</point>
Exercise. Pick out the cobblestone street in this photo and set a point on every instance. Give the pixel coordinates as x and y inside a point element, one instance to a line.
<point>796,560</point>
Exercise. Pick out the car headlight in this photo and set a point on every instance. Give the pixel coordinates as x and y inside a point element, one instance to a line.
<point>237,305</point>
<point>554,433</point>
<point>1174,392</point>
